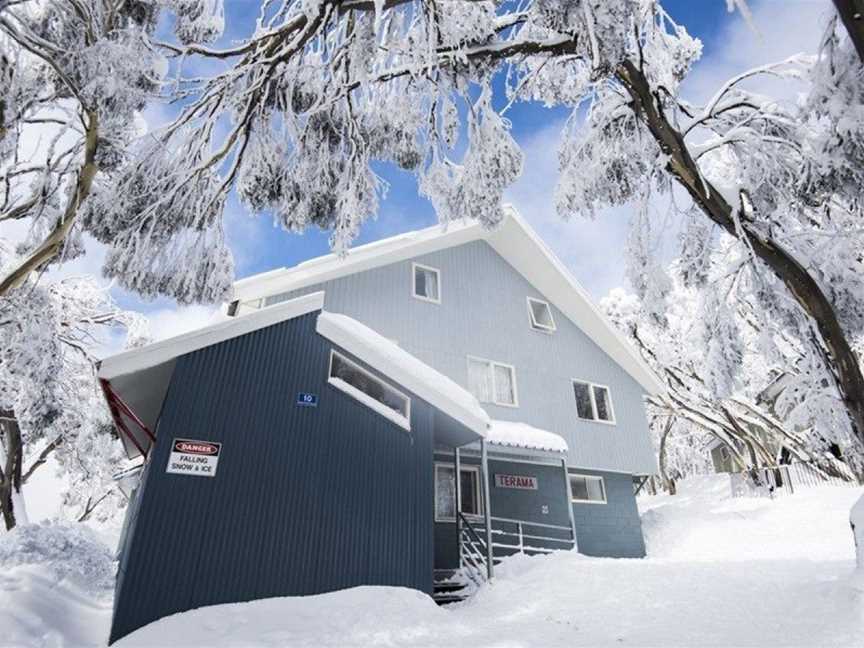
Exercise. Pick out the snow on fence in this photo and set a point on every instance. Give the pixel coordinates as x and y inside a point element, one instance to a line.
<point>781,480</point>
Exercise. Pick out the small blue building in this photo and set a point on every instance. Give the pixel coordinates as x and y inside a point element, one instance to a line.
<point>311,440</point>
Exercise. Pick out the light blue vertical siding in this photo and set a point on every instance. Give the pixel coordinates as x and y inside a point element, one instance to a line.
<point>484,312</point>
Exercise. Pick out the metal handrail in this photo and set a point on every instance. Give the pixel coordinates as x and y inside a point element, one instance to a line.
<point>521,547</point>
<point>529,523</point>
<point>473,548</point>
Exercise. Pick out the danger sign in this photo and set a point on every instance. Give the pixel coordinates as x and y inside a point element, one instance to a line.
<point>198,458</point>
<point>516,481</point>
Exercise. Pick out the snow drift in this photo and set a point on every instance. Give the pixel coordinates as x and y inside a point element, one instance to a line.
<point>56,584</point>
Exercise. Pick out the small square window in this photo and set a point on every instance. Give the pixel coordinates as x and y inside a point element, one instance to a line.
<point>593,402</point>
<point>492,382</point>
<point>587,488</point>
<point>540,315</point>
<point>426,283</point>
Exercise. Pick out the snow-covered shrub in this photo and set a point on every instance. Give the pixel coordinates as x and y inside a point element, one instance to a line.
<point>68,552</point>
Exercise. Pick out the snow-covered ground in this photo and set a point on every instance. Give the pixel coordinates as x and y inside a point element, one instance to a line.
<point>721,572</point>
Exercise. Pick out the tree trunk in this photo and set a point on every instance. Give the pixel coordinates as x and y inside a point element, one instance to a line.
<point>851,12</point>
<point>667,482</point>
<point>10,472</point>
<point>53,243</point>
<point>840,359</point>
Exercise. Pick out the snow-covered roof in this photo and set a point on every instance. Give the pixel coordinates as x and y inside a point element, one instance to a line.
<point>522,435</point>
<point>404,369</point>
<point>140,377</point>
<point>513,239</point>
<point>154,354</point>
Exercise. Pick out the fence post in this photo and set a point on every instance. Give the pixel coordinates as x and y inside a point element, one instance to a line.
<point>521,543</point>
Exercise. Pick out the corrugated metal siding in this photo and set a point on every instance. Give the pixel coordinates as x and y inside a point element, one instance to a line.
<point>613,529</point>
<point>483,312</point>
<point>305,500</point>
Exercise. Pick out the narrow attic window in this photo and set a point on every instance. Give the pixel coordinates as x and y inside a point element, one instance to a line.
<point>369,390</point>
<point>426,283</point>
<point>540,315</point>
<point>492,382</point>
<point>593,402</point>
<point>587,488</point>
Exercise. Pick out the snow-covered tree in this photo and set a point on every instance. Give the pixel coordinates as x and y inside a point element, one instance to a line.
<point>302,109</point>
<point>728,378</point>
<point>49,397</point>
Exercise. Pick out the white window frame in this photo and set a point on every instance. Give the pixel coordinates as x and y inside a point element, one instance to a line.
<point>492,364</point>
<point>573,498</point>
<point>366,399</point>
<point>591,386</point>
<point>535,325</point>
<point>437,271</point>
<point>478,497</point>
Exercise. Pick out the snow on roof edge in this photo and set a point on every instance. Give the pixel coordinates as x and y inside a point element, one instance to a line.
<point>521,435</point>
<point>404,369</point>
<point>157,353</point>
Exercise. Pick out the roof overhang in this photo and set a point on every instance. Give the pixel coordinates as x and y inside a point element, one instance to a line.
<point>513,239</point>
<point>140,377</point>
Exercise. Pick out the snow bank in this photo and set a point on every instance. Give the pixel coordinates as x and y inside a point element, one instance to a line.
<point>522,435</point>
<point>362,616</point>
<point>704,523</point>
<point>56,583</point>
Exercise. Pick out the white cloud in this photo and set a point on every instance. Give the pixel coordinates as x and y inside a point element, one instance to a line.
<point>168,322</point>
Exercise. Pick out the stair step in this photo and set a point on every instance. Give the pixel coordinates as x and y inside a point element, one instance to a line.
<point>453,586</point>
<point>449,597</point>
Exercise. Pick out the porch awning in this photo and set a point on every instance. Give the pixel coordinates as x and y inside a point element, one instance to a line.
<point>521,435</point>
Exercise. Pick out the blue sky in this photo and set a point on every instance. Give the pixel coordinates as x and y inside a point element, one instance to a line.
<point>593,250</point>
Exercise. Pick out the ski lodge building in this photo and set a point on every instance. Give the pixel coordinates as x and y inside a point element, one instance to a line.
<point>310,441</point>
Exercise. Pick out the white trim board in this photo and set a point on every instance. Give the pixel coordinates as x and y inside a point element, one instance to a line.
<point>513,239</point>
<point>166,350</point>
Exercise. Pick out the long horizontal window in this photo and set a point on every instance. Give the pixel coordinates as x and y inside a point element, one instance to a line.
<point>369,390</point>
<point>588,488</point>
<point>492,382</point>
<point>593,402</point>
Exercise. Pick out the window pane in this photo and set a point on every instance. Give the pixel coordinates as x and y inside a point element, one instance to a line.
<point>542,314</point>
<point>354,376</point>
<point>426,283</point>
<point>601,398</point>
<point>595,489</point>
<point>469,491</point>
<point>504,390</point>
<point>583,401</point>
<point>445,492</point>
<point>579,488</point>
<point>587,488</point>
<point>480,380</point>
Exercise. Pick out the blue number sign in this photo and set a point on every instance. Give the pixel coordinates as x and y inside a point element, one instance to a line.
<point>307,400</point>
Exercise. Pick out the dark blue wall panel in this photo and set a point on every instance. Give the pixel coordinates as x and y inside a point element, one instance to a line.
<point>612,529</point>
<point>305,499</point>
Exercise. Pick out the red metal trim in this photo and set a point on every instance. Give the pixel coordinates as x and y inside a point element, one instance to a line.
<point>116,403</point>
<point>128,411</point>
